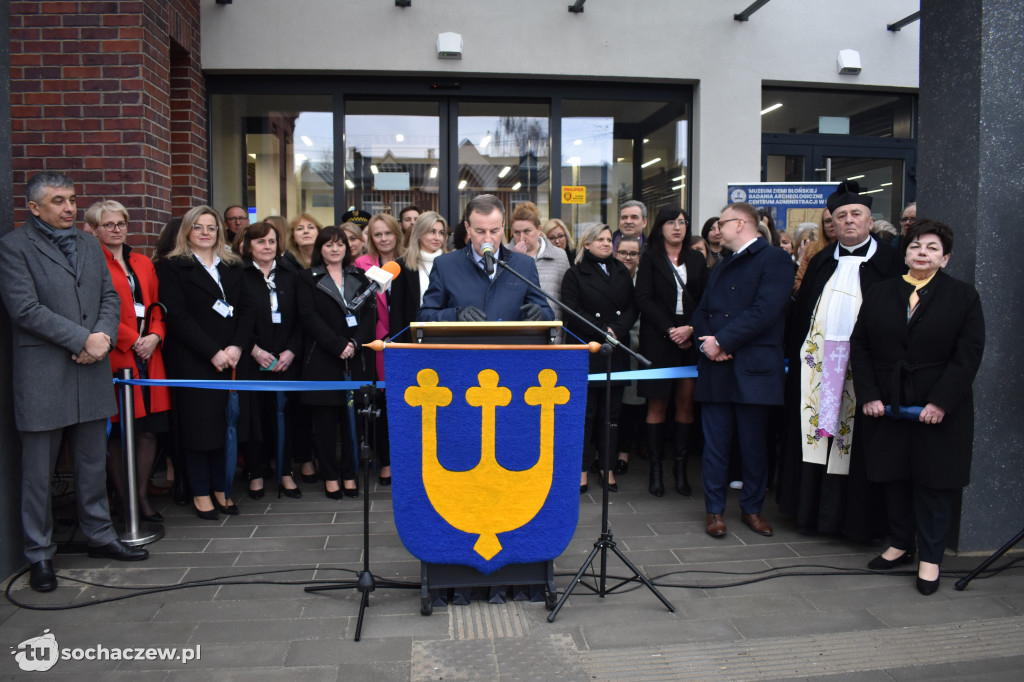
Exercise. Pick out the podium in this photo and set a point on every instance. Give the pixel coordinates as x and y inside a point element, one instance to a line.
<point>516,344</point>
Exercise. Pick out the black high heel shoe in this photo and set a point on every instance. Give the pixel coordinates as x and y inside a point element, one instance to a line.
<point>332,494</point>
<point>209,515</point>
<point>881,564</point>
<point>294,493</point>
<point>350,492</point>
<point>230,510</point>
<point>927,587</point>
<point>621,467</point>
<point>310,478</point>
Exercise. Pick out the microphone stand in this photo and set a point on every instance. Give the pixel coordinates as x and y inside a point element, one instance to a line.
<point>365,582</point>
<point>605,541</point>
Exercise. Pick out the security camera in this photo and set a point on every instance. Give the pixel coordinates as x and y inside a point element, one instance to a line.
<point>849,62</point>
<point>449,46</point>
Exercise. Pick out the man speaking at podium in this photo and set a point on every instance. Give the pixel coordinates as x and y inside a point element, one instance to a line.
<point>469,285</point>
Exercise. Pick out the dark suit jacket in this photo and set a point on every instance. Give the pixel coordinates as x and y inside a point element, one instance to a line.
<point>605,301</point>
<point>405,301</point>
<point>195,332</point>
<point>271,337</point>
<point>457,282</point>
<point>743,308</point>
<point>325,326</point>
<point>656,300</point>
<point>53,310</point>
<point>932,359</point>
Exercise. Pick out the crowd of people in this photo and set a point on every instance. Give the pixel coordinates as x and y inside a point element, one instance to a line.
<point>868,434</point>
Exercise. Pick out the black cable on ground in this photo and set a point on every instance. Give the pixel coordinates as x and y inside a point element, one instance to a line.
<point>157,589</point>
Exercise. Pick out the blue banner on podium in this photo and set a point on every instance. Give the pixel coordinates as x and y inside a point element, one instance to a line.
<point>485,452</point>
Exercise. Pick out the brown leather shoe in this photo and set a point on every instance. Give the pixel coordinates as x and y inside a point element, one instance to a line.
<point>758,525</point>
<point>715,525</point>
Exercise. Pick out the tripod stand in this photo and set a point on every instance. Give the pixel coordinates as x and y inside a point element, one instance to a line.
<point>605,542</point>
<point>365,582</point>
<point>961,584</point>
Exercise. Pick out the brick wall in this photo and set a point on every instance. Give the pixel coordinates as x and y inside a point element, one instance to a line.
<point>112,94</point>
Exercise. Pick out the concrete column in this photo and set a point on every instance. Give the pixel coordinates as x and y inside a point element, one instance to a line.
<point>969,176</point>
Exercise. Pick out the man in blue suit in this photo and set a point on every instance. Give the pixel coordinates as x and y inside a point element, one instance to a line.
<point>739,323</point>
<point>460,288</point>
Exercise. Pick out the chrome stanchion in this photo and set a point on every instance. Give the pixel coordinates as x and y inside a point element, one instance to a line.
<point>134,533</point>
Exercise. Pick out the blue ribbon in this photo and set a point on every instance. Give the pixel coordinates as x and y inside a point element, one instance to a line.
<point>688,372</point>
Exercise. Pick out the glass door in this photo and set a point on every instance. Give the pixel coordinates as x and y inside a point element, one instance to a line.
<point>392,155</point>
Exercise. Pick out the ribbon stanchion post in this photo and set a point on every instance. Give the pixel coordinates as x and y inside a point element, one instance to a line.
<point>134,533</point>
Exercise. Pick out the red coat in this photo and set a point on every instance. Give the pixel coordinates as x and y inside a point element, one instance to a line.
<point>122,356</point>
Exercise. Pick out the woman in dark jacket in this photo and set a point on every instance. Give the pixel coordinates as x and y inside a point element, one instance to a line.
<point>333,350</point>
<point>918,342</point>
<point>669,284</point>
<point>427,240</point>
<point>600,289</point>
<point>208,324</point>
<point>273,351</point>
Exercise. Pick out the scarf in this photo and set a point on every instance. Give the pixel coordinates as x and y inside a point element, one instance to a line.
<point>826,382</point>
<point>426,265</point>
<point>62,239</point>
<point>603,263</point>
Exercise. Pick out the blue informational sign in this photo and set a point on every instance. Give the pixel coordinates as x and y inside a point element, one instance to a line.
<point>485,452</point>
<point>790,203</point>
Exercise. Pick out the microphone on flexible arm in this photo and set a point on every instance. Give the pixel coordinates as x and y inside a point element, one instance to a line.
<point>487,251</point>
<point>379,280</point>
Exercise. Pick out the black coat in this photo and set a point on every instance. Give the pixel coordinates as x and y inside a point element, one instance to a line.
<point>656,300</point>
<point>655,294</point>
<point>323,315</point>
<point>268,335</point>
<point>195,332</point>
<point>933,358</point>
<point>605,301</point>
<point>405,301</point>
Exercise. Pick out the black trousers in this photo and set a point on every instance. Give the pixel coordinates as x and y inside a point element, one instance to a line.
<point>917,510</point>
<point>206,472</point>
<point>594,422</point>
<point>325,438</point>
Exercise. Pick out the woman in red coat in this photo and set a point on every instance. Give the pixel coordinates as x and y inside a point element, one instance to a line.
<point>138,344</point>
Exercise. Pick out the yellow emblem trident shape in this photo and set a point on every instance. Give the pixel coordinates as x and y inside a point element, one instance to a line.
<point>487,499</point>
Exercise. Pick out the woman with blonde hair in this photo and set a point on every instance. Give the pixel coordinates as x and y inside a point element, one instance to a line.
<point>300,235</point>
<point>428,239</point>
<point>207,326</point>
<point>559,234</point>
<point>139,339</point>
<point>356,238</point>
<point>826,237</point>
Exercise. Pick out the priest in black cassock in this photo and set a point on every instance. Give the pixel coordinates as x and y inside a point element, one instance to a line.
<point>822,478</point>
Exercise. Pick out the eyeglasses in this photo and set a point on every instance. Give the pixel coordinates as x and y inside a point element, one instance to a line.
<point>627,254</point>
<point>205,228</point>
<point>110,227</point>
<point>906,220</point>
<point>722,223</point>
<point>681,223</point>
<point>236,219</point>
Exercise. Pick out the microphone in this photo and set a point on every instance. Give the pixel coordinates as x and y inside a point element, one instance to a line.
<point>487,251</point>
<point>379,280</point>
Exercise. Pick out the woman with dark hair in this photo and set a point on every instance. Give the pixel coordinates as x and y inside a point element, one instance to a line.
<point>168,238</point>
<point>208,324</point>
<point>135,280</point>
<point>600,288</point>
<point>918,342</point>
<point>712,234</point>
<point>669,284</point>
<point>271,354</point>
<point>333,351</point>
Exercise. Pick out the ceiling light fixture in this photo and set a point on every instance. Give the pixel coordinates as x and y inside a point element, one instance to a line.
<point>777,105</point>
<point>651,162</point>
<point>504,171</point>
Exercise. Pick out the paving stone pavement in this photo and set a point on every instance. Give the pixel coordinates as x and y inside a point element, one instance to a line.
<point>746,607</point>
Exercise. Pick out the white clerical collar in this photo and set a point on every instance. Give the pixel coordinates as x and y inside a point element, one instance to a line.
<point>853,248</point>
<point>742,248</point>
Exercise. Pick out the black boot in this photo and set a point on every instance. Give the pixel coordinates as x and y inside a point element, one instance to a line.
<point>654,451</point>
<point>680,454</point>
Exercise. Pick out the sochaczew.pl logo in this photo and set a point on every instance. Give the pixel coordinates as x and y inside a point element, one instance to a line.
<point>39,654</point>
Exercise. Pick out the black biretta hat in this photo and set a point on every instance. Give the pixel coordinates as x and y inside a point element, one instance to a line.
<point>848,192</point>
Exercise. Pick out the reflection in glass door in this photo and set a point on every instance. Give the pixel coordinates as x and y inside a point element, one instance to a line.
<point>503,149</point>
<point>392,156</point>
<point>881,179</point>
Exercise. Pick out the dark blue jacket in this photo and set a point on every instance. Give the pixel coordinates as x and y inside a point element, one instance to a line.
<point>456,281</point>
<point>743,307</point>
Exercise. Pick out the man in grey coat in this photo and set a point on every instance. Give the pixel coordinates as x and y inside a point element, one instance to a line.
<point>64,317</point>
